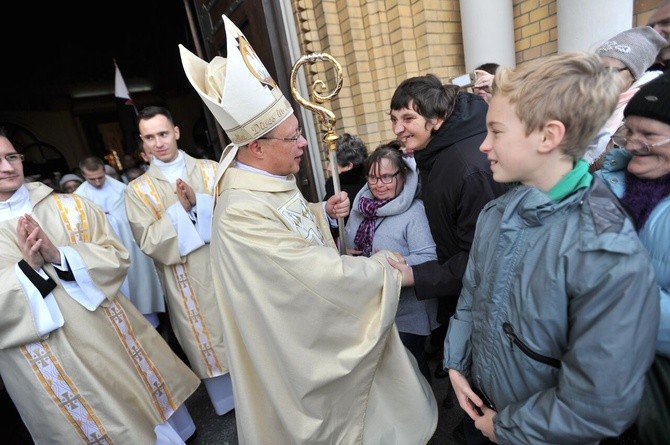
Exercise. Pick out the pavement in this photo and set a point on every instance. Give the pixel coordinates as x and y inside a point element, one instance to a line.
<point>221,430</point>
<point>211,428</point>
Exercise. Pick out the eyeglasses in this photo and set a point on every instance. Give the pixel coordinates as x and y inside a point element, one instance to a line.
<point>617,69</point>
<point>664,22</point>
<point>291,139</point>
<point>13,158</point>
<point>385,179</point>
<point>635,146</point>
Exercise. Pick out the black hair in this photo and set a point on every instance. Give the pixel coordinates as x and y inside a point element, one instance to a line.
<point>153,111</point>
<point>351,148</point>
<point>427,96</point>
<point>392,151</point>
<point>489,67</point>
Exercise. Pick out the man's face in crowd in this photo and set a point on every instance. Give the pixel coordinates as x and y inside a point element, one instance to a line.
<point>94,177</point>
<point>660,21</point>
<point>11,170</point>
<point>160,137</point>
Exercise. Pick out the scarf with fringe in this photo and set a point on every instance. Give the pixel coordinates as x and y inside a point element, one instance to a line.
<point>366,231</point>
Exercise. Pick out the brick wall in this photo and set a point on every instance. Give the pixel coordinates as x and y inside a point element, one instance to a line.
<point>379,43</point>
<point>535,32</point>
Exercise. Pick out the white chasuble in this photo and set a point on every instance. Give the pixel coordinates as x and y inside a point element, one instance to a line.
<point>106,375</point>
<point>315,356</point>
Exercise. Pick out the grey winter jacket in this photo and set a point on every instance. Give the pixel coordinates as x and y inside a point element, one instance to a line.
<point>557,319</point>
<point>402,227</point>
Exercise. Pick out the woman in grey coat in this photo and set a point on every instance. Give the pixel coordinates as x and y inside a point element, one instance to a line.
<point>387,214</point>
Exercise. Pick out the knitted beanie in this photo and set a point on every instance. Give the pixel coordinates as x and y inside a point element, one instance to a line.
<point>637,48</point>
<point>70,177</point>
<point>652,100</point>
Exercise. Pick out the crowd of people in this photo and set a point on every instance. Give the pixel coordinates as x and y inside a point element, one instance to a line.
<point>519,228</point>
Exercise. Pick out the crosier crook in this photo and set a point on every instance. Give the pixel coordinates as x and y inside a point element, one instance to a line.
<point>326,117</point>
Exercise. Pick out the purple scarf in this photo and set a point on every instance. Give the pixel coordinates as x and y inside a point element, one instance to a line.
<point>642,196</point>
<point>368,208</point>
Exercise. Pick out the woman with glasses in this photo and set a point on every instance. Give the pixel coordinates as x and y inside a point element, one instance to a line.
<point>387,214</point>
<point>638,172</point>
<point>630,54</point>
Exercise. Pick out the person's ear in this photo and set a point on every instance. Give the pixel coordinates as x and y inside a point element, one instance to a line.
<point>176,132</point>
<point>551,136</point>
<point>255,149</point>
<point>347,167</point>
<point>437,123</point>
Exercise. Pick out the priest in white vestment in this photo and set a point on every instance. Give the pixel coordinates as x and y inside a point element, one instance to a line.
<point>79,361</point>
<point>170,213</point>
<point>142,285</point>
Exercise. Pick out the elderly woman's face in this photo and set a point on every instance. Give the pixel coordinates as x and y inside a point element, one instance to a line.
<point>625,76</point>
<point>655,163</point>
<point>71,186</point>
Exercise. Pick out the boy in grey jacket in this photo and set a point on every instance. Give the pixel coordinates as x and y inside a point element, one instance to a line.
<point>556,323</point>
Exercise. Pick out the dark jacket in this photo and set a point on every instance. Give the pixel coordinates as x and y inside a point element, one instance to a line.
<point>456,183</point>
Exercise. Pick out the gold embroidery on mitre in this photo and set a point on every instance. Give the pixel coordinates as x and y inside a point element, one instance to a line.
<point>254,64</point>
<point>263,122</point>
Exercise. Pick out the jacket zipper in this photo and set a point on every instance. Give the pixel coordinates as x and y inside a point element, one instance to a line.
<point>513,339</point>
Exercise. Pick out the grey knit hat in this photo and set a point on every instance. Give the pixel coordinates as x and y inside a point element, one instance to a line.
<point>109,170</point>
<point>637,48</point>
<point>70,177</point>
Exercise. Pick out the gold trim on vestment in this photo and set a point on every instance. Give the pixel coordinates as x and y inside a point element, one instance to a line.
<point>71,209</point>
<point>147,191</point>
<point>52,375</point>
<point>160,395</point>
<point>65,394</point>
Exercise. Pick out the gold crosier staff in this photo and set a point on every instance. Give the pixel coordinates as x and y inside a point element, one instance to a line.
<point>326,117</point>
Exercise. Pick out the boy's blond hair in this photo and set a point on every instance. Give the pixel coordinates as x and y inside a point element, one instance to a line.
<point>573,87</point>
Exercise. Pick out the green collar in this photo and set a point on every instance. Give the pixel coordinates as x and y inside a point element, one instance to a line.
<point>579,177</point>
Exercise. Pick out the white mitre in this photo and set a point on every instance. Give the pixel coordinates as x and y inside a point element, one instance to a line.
<point>238,89</point>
